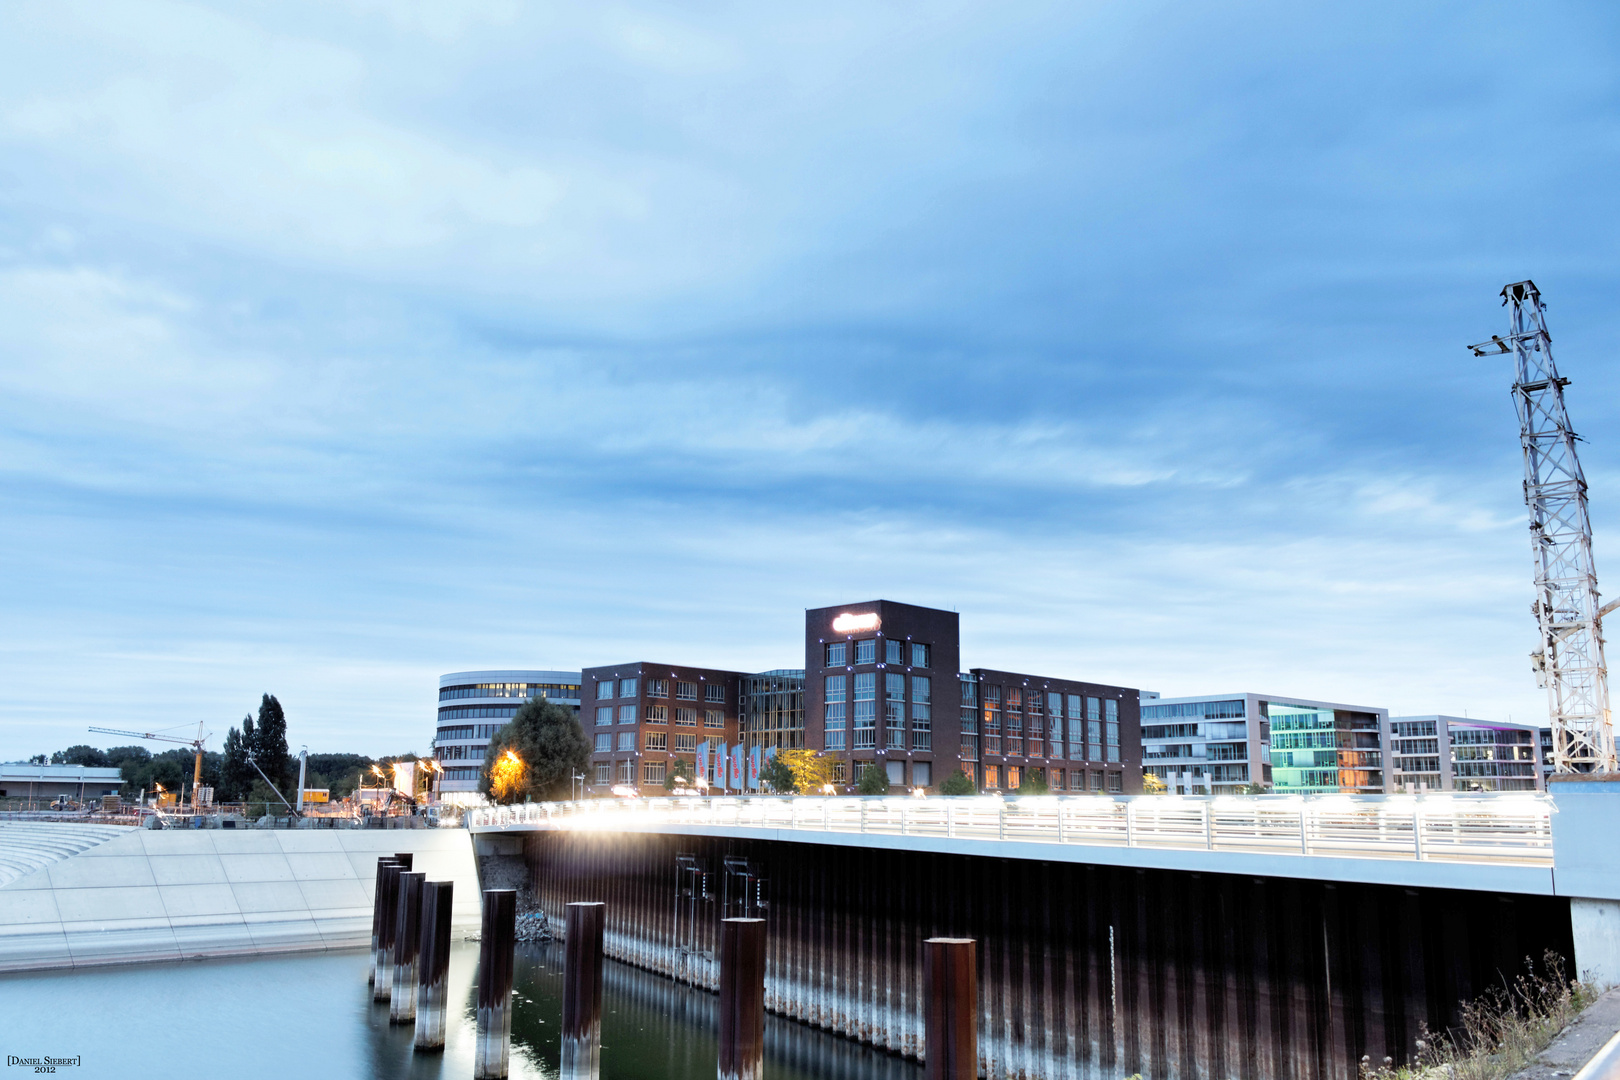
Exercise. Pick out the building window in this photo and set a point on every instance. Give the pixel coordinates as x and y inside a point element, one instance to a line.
<point>604,773</point>
<point>604,690</point>
<point>836,651</point>
<point>604,716</point>
<point>657,714</point>
<point>970,747</point>
<point>657,740</point>
<point>894,710</point>
<point>865,709</point>
<point>627,774</point>
<point>992,776</point>
<point>685,743</point>
<point>658,688</point>
<point>840,772</point>
<point>1093,709</point>
<point>866,651</point>
<point>714,718</point>
<point>1111,711</point>
<point>627,740</point>
<point>604,742</point>
<point>1116,782</point>
<point>919,655</point>
<point>627,714</point>
<point>652,772</point>
<point>835,740</point>
<point>1077,779</point>
<point>895,736</point>
<point>834,717</point>
<point>627,687</point>
<point>922,774</point>
<point>922,714</point>
<point>894,652</point>
<point>686,691</point>
<point>714,692</point>
<point>686,718</point>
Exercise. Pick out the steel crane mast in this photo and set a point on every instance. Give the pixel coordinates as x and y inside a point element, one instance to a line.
<point>1569,662</point>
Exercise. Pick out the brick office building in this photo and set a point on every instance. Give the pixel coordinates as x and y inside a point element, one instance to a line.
<point>884,685</point>
<point>640,717</point>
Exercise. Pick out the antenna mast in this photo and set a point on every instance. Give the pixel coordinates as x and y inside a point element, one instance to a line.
<point>1570,661</point>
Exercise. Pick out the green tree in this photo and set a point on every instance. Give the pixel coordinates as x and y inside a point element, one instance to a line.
<point>236,776</point>
<point>1032,783</point>
<point>874,780</point>
<point>550,744</point>
<point>679,774</point>
<point>1152,784</point>
<point>80,755</point>
<point>776,774</point>
<point>119,755</point>
<point>958,783</point>
<point>269,743</point>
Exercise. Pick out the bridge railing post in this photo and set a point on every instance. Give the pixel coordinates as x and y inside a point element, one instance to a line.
<point>1060,810</point>
<point>950,819</point>
<point>1130,824</point>
<point>1417,831</point>
<point>863,814</point>
<point>1304,829</point>
<point>1209,824</point>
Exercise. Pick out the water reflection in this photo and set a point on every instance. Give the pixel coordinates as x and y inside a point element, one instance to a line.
<point>273,1017</point>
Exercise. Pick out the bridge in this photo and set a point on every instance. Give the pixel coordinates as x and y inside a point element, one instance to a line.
<point>1254,936</point>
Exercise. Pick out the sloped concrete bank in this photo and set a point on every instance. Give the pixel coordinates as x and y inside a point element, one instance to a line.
<point>181,895</point>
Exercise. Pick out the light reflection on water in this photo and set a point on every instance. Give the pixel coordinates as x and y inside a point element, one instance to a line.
<point>285,1016</point>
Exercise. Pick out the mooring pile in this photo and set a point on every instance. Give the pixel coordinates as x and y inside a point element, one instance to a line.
<point>410,959</point>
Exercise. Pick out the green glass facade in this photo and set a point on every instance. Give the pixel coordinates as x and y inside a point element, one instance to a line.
<point>1324,750</point>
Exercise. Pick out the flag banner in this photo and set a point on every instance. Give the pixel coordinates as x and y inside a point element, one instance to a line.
<point>722,775</point>
<point>703,760</point>
<point>737,767</point>
<point>753,769</point>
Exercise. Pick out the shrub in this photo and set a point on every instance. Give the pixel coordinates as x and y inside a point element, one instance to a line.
<point>958,783</point>
<point>874,781</point>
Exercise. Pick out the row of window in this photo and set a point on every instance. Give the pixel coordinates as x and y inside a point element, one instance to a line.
<point>659,714</point>
<point>1204,710</point>
<point>467,731</point>
<point>866,651</point>
<point>472,712</point>
<point>509,690</point>
<point>1078,778</point>
<point>654,740</point>
<point>459,753</point>
<point>607,689</point>
<point>461,774</point>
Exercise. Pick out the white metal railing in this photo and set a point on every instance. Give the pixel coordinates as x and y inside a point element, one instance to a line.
<point>1473,828</point>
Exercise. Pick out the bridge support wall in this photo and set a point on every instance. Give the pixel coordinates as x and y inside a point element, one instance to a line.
<point>1084,971</point>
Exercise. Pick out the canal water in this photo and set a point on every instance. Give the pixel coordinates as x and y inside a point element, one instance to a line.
<point>312,1015</point>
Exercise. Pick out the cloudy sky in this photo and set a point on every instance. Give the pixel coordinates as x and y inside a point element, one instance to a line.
<point>344,344</point>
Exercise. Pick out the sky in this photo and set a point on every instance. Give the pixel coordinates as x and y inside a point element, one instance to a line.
<point>348,343</point>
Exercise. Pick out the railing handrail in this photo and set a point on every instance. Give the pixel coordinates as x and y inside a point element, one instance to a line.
<point>1491,828</point>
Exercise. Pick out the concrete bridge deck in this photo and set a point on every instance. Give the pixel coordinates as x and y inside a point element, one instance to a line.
<point>1527,843</point>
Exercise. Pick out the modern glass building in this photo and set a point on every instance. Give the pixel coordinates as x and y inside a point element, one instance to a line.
<point>473,705</point>
<point>770,709</point>
<point>1223,743</point>
<point>1454,753</point>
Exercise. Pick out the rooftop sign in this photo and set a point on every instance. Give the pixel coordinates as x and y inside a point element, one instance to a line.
<point>853,624</point>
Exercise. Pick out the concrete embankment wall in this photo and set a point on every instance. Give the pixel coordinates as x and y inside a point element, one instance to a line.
<point>182,895</point>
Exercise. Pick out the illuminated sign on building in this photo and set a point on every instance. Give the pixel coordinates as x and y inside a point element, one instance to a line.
<point>854,624</point>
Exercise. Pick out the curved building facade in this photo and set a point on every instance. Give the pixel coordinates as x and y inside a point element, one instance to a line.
<point>473,705</point>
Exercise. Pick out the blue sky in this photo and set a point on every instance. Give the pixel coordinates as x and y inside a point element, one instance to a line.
<point>343,344</point>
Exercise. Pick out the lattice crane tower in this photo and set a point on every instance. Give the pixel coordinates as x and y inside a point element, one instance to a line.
<point>1569,662</point>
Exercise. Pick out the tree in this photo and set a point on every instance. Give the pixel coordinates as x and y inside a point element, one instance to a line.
<point>269,742</point>
<point>679,774</point>
<point>119,755</point>
<point>1251,789</point>
<point>796,769</point>
<point>549,746</point>
<point>777,775</point>
<point>1032,783</point>
<point>80,755</point>
<point>958,783</point>
<point>1153,785</point>
<point>874,780</point>
<point>236,776</point>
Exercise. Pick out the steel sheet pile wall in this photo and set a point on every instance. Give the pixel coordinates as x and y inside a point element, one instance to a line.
<point>1084,971</point>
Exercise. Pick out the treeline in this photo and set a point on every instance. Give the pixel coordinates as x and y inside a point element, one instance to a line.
<point>231,773</point>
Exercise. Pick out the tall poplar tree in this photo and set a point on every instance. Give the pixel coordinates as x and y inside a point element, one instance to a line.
<point>269,741</point>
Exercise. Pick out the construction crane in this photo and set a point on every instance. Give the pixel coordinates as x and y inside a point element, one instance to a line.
<point>1569,663</point>
<point>196,744</point>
